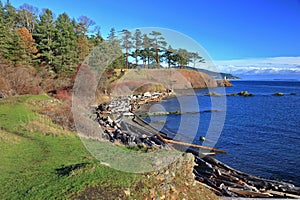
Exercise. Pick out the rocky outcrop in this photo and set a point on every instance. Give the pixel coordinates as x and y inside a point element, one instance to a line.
<point>176,180</point>
<point>224,83</point>
<point>245,94</point>
<point>198,79</point>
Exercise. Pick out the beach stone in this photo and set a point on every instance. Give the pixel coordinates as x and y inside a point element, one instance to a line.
<point>147,94</point>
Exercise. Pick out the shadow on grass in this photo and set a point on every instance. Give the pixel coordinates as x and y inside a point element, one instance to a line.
<point>67,170</point>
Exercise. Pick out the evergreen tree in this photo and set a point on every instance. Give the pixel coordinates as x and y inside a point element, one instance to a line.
<point>127,45</point>
<point>10,16</point>
<point>10,44</point>
<point>65,46</point>
<point>115,43</point>
<point>1,13</point>
<point>146,53</point>
<point>3,32</point>
<point>137,43</point>
<point>16,52</point>
<point>44,37</point>
<point>182,57</point>
<point>112,37</point>
<point>159,44</point>
<point>169,56</point>
<point>195,57</point>
<point>96,38</point>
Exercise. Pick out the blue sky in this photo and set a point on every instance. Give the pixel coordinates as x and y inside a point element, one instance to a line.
<point>227,29</point>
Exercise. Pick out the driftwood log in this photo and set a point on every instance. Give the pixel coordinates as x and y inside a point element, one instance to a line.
<point>231,182</point>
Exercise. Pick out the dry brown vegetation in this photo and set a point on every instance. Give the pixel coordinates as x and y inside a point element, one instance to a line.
<point>18,80</point>
<point>60,113</point>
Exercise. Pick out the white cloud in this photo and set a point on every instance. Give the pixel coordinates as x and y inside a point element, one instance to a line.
<point>275,65</point>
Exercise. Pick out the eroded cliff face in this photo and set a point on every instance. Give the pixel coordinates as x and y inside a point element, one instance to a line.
<point>198,79</point>
<point>163,79</point>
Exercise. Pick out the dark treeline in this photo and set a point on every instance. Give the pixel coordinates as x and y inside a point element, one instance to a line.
<point>43,49</point>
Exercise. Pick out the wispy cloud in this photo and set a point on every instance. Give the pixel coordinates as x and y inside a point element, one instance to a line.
<point>275,65</point>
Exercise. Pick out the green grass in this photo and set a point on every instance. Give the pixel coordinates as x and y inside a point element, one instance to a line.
<point>37,166</point>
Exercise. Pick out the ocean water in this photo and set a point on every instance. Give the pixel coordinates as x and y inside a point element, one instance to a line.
<point>261,133</point>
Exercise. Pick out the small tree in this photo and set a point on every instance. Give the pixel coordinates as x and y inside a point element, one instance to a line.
<point>168,56</point>
<point>195,58</point>
<point>27,43</point>
<point>182,57</point>
<point>15,52</point>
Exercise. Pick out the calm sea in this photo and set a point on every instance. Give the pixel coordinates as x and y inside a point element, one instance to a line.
<point>261,133</point>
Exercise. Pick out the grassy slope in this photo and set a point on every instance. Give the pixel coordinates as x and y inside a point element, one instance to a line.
<point>30,161</point>
<point>40,160</point>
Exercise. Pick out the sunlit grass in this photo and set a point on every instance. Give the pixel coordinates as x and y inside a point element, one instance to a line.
<point>31,156</point>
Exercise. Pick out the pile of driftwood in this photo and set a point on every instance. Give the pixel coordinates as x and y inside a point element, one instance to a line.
<point>117,122</point>
<point>226,181</point>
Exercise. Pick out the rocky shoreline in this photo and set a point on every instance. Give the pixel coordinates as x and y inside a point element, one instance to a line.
<point>121,125</point>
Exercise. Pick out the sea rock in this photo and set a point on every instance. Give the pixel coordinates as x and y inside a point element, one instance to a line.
<point>211,111</point>
<point>213,94</point>
<point>278,94</point>
<point>232,95</point>
<point>245,94</point>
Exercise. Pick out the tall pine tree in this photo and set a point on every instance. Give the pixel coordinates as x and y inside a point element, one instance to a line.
<point>159,44</point>
<point>137,44</point>
<point>45,39</point>
<point>127,45</point>
<point>65,46</point>
<point>10,43</point>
